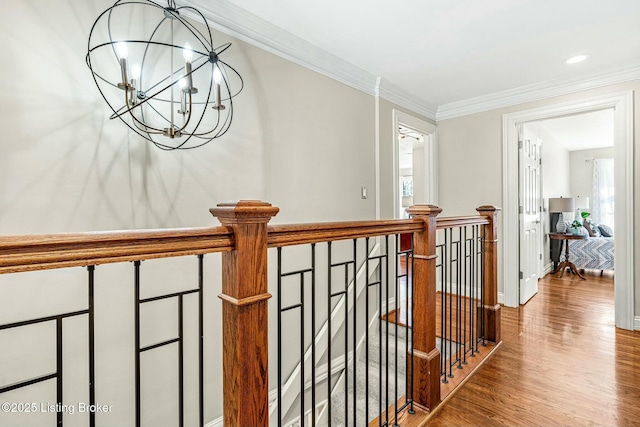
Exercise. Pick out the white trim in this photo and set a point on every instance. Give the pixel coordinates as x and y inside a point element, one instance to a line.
<point>243,25</point>
<point>398,96</point>
<point>377,143</point>
<point>622,103</point>
<point>237,22</point>
<point>636,323</point>
<point>548,267</point>
<point>537,91</point>
<point>430,150</point>
<point>501,298</point>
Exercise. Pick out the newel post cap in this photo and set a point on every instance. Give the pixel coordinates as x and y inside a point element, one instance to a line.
<point>423,210</point>
<point>488,208</point>
<point>244,211</point>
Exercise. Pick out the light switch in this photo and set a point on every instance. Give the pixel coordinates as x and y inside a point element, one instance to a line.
<point>363,192</point>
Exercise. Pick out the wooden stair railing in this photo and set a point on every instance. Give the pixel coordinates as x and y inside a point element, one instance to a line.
<point>243,239</point>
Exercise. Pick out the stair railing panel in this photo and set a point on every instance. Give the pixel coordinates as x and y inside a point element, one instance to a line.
<point>368,286</point>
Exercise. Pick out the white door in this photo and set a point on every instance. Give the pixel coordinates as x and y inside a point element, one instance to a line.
<point>530,206</point>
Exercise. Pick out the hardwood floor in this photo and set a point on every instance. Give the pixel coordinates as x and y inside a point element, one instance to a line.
<point>562,362</point>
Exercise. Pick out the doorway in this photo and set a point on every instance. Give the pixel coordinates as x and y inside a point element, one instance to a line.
<point>622,103</point>
<point>414,163</point>
<point>558,158</point>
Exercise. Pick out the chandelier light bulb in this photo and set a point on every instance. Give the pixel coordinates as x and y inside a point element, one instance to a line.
<point>217,75</point>
<point>187,52</point>
<point>121,50</point>
<point>135,72</point>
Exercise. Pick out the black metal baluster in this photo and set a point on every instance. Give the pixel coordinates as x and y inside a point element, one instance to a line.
<point>59,365</point>
<point>460,283</point>
<point>279,336</point>
<point>136,265</point>
<point>450,335</point>
<point>329,332</point>
<point>386,270</point>
<point>443,326</point>
<point>397,319</point>
<point>201,340</point>
<point>313,334</point>
<point>346,348</point>
<point>180,360</point>
<point>366,333</point>
<point>302,389</point>
<point>467,281</point>
<point>355,327</point>
<point>380,343</point>
<point>92,359</point>
<point>482,285</point>
<point>411,279</point>
<point>473,292</point>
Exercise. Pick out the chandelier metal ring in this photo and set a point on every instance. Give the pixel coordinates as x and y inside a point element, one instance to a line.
<point>154,84</point>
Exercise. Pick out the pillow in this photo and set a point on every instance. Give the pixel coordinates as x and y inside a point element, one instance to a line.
<point>605,230</point>
<point>592,227</point>
<point>583,231</point>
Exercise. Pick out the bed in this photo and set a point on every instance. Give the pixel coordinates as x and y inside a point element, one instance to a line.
<point>592,253</point>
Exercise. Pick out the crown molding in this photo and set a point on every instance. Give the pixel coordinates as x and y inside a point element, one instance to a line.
<point>404,99</point>
<point>537,91</point>
<point>243,25</point>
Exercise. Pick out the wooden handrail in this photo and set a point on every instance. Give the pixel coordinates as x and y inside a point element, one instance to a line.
<point>287,235</point>
<point>42,252</point>
<point>461,221</point>
<point>48,251</point>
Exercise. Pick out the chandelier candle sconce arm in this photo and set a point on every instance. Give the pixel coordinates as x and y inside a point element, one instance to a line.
<point>150,73</point>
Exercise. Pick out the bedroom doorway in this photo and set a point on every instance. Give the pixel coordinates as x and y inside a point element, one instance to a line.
<point>568,157</point>
<point>622,104</point>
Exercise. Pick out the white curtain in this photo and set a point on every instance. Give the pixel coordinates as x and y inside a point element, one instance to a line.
<point>602,205</point>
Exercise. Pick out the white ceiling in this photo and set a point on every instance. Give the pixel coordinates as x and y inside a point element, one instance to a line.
<point>443,52</point>
<point>582,131</point>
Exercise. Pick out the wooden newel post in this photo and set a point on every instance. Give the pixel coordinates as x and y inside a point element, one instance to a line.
<point>245,313</point>
<point>491,307</point>
<point>426,357</point>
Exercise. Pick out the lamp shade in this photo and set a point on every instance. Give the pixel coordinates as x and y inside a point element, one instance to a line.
<point>582,203</point>
<point>561,204</point>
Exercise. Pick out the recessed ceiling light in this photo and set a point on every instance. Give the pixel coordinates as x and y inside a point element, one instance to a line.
<point>577,58</point>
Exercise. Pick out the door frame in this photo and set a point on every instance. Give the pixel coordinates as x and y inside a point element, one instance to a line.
<point>430,151</point>
<point>622,105</point>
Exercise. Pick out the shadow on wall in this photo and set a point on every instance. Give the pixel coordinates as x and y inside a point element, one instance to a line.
<point>67,167</point>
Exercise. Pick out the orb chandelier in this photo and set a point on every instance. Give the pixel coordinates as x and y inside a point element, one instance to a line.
<point>161,74</point>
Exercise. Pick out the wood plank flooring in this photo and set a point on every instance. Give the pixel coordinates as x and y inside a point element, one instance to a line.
<point>562,363</point>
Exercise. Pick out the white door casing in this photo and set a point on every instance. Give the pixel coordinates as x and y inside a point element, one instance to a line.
<point>430,157</point>
<point>622,104</point>
<point>529,212</point>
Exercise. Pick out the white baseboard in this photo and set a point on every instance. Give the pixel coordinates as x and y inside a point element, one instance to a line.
<point>547,269</point>
<point>500,297</point>
<point>636,323</point>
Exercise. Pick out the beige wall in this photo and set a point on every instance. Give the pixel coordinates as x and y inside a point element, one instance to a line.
<point>473,143</point>
<point>299,140</point>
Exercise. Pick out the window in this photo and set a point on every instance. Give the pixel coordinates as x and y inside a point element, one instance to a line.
<point>603,191</point>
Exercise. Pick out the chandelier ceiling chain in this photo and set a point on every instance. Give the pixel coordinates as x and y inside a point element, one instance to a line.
<point>160,73</point>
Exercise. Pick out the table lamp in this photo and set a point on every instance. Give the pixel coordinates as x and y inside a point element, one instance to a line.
<point>582,204</point>
<point>561,205</point>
